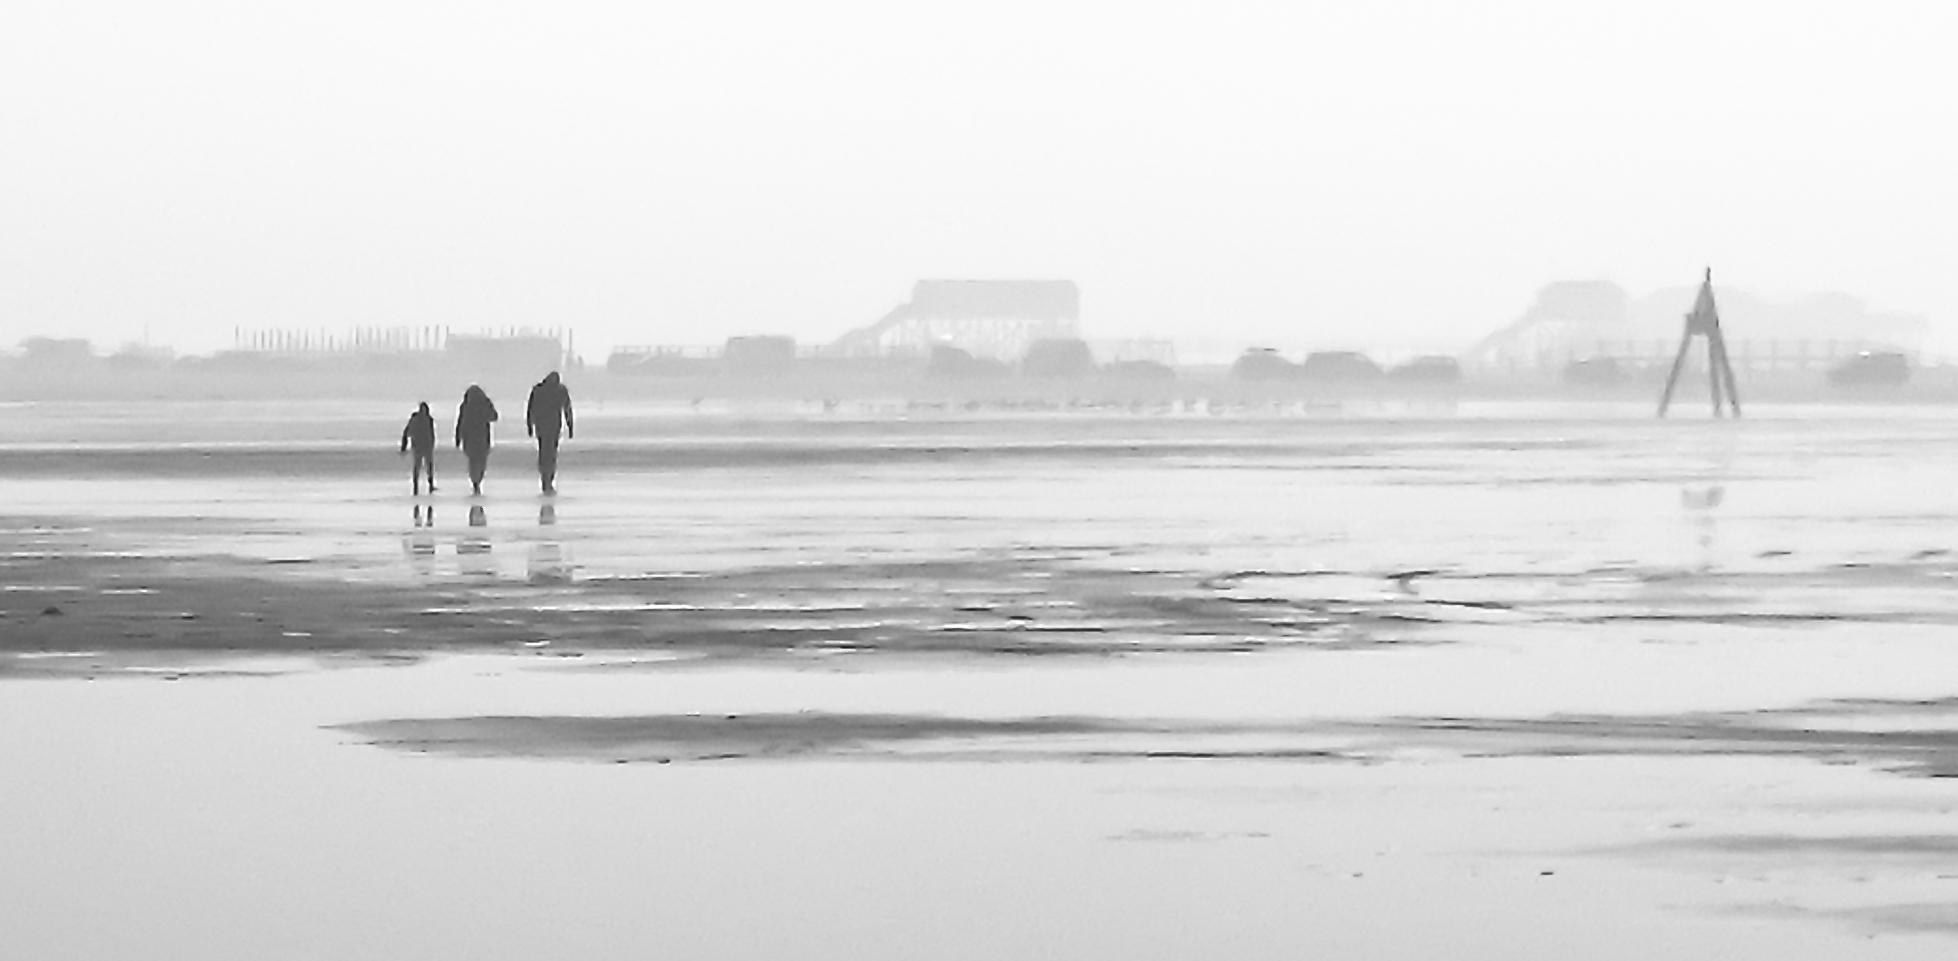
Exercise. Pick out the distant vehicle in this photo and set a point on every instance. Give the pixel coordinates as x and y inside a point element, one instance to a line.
<point>1139,371</point>
<point>949,361</point>
<point>1344,365</point>
<point>1872,368</point>
<point>758,354</point>
<point>1594,372</point>
<point>1433,369</point>
<point>1058,357</point>
<point>1263,363</point>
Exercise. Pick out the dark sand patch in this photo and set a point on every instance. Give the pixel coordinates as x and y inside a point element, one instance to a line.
<point>321,460</point>
<point>1830,730</point>
<point>1910,737</point>
<point>185,665</point>
<point>1937,848</point>
<point>984,605</point>
<point>1934,918</point>
<point>1923,918</point>
<point>700,737</point>
<point>694,737</point>
<point>1006,603</point>
<point>1932,753</point>
<point>1855,862</point>
<point>137,606</point>
<point>76,587</point>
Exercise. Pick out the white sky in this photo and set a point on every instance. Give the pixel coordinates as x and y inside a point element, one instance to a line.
<point>1349,174</point>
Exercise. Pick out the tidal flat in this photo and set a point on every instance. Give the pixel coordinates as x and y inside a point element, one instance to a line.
<point>1498,681</point>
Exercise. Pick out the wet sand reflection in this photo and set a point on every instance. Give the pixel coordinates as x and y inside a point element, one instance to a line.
<point>419,542</point>
<point>1702,503</point>
<point>547,563</point>
<point>473,549</point>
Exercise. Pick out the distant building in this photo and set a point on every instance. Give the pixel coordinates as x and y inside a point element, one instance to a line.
<point>1580,320</point>
<point>351,340</point>
<point>987,319</point>
<point>526,351</point>
<point>670,360</point>
<point>1564,314</point>
<point>57,351</point>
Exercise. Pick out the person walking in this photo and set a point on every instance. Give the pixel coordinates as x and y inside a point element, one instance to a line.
<point>548,412</point>
<point>420,433</point>
<point>473,433</point>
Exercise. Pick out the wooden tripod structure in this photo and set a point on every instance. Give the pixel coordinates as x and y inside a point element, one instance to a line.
<point>1704,321</point>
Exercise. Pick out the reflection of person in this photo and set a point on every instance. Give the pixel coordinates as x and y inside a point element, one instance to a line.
<point>420,433</point>
<point>421,542</point>
<point>473,432</point>
<point>547,564</point>
<point>474,546</point>
<point>549,410</point>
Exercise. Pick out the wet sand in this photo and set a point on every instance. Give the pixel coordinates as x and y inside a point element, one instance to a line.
<point>1511,686</point>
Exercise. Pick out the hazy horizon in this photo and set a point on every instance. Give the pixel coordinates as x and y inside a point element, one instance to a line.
<point>1404,175</point>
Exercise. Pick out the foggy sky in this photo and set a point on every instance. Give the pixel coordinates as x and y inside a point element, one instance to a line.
<point>1351,174</point>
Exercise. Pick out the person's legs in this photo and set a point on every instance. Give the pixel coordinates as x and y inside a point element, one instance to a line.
<point>478,461</point>
<point>425,460</point>
<point>547,460</point>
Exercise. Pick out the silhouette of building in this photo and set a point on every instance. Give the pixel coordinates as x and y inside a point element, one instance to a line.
<point>57,351</point>
<point>987,319</point>
<point>524,350</point>
<point>517,349</point>
<point>351,340</point>
<point>1575,321</point>
<point>1563,314</point>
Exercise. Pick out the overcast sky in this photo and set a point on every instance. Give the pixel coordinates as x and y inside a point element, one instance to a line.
<point>1350,174</point>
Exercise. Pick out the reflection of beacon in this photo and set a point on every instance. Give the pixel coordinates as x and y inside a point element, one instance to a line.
<point>477,518</point>
<point>1700,504</point>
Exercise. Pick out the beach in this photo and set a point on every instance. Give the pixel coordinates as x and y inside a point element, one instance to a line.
<point>1374,680</point>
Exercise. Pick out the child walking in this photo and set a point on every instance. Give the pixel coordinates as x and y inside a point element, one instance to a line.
<point>420,434</point>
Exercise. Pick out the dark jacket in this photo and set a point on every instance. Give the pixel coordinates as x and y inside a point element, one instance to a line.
<point>420,432</point>
<point>550,405</point>
<point>473,420</point>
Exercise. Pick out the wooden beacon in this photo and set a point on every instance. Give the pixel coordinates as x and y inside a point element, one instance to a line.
<point>1704,321</point>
